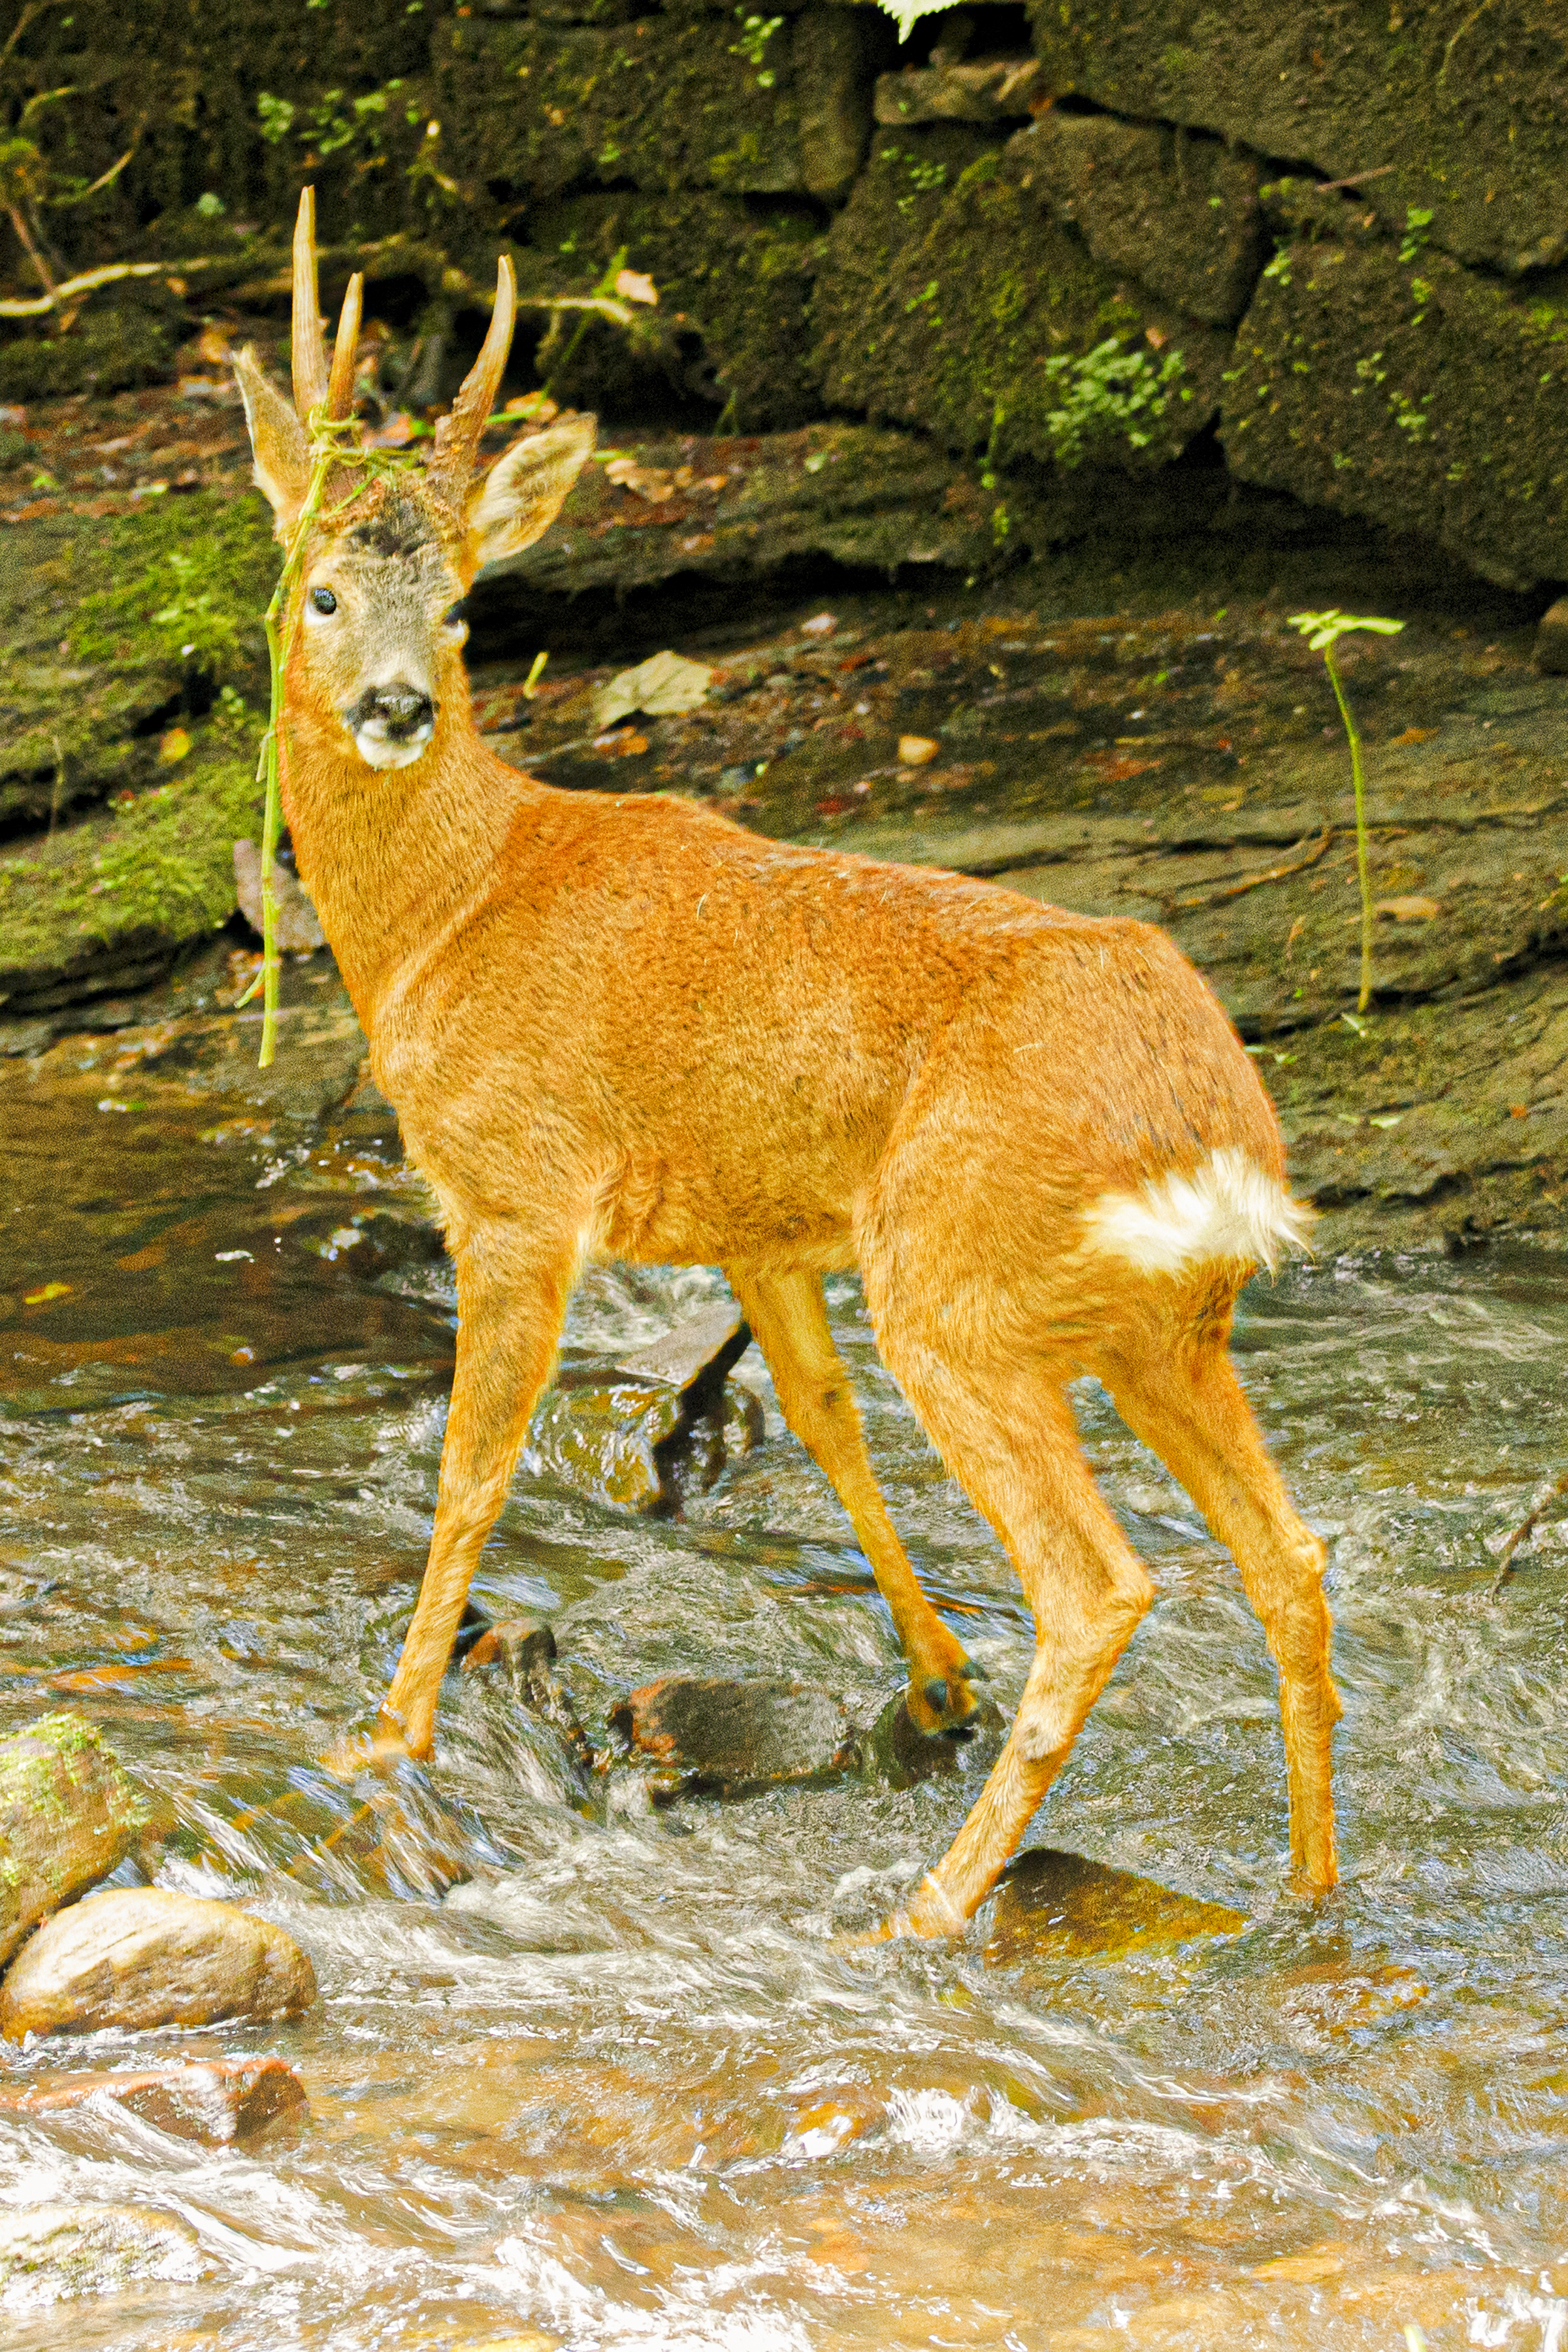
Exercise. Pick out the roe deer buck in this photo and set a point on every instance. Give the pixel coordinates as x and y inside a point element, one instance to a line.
<point>624,1026</point>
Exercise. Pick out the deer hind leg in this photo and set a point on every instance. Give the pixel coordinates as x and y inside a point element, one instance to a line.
<point>513,1289</point>
<point>1190,1408</point>
<point>789,1323</point>
<point>1007,1435</point>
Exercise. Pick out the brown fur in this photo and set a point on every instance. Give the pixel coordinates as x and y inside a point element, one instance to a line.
<point>624,1027</point>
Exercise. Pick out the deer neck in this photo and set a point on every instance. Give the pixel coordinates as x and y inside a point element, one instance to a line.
<point>391,856</point>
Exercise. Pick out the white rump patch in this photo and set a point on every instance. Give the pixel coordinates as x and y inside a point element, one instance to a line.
<point>1226,1209</point>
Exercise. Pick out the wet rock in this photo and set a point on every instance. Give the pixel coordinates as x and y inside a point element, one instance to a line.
<point>717,1737</point>
<point>524,1649</point>
<point>216,2101</point>
<point>68,1815</point>
<point>898,1753</point>
<point>1551,640</point>
<point>144,1957</point>
<point>1391,382</point>
<point>1063,1904</point>
<point>662,1424</point>
<point>299,929</point>
<point>1465,110</point>
<point>865,499</point>
<point>49,2253</point>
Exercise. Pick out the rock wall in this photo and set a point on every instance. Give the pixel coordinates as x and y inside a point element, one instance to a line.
<point>1079,236</point>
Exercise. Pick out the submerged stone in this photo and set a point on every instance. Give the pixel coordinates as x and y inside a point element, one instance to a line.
<point>726,1737</point>
<point>68,1815</point>
<point>216,2101</point>
<point>664,1423</point>
<point>899,1754</point>
<point>525,1648</point>
<point>146,1956</point>
<point>1064,1906</point>
<point>49,2253</point>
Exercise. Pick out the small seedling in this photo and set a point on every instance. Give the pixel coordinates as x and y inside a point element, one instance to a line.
<point>1322,631</point>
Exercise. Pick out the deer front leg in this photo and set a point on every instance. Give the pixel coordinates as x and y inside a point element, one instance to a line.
<point>512,1288</point>
<point>789,1323</point>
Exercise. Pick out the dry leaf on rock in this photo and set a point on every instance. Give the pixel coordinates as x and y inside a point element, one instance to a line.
<point>660,688</point>
<point>1409,910</point>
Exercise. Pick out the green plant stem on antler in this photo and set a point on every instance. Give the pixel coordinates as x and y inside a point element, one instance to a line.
<point>1322,631</point>
<point>330,447</point>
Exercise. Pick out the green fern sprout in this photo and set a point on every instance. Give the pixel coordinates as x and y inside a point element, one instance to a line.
<point>1322,631</point>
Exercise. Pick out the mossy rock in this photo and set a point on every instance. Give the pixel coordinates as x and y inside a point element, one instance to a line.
<point>111,349</point>
<point>951,298</point>
<point>107,904</point>
<point>735,295</point>
<point>106,626</point>
<point>662,104</point>
<point>1411,391</point>
<point>1179,214</point>
<point>68,1816</point>
<point>1464,109</point>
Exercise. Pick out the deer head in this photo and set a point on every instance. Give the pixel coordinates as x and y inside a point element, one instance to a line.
<point>386,560</point>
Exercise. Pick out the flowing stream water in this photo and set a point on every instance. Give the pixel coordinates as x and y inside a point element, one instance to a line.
<point>630,2081</point>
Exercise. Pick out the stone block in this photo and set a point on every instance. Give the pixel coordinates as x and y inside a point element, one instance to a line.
<point>993,89</point>
<point>663,103</point>
<point>1179,214</point>
<point>953,298</point>
<point>1412,391</point>
<point>1462,109</point>
<point>734,283</point>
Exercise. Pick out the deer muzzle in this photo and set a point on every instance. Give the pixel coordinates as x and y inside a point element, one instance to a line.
<point>391,724</point>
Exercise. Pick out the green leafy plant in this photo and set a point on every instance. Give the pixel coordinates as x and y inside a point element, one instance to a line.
<point>1107,393</point>
<point>1322,631</point>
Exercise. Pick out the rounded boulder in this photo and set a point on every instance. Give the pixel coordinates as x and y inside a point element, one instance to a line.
<point>144,1956</point>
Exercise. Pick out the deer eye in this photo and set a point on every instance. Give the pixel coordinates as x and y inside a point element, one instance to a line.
<point>457,617</point>
<point>323,601</point>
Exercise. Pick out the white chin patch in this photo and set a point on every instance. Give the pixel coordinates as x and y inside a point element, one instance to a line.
<point>378,751</point>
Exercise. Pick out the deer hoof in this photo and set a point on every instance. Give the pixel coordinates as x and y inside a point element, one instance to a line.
<point>946,1703</point>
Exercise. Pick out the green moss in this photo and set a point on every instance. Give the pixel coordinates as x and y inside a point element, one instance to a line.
<point>950,297</point>
<point>156,871</point>
<point>734,293</point>
<point>94,621</point>
<point>182,580</point>
<point>108,349</point>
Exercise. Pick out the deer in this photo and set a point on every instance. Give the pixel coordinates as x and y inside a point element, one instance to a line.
<point>619,1025</point>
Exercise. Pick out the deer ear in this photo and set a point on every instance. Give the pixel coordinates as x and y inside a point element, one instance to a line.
<point>278,443</point>
<point>526,490</point>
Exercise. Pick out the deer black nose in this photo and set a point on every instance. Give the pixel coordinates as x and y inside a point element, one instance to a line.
<point>397,713</point>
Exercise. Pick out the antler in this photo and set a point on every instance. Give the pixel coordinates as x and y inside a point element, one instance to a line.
<point>457,434</point>
<point>316,385</point>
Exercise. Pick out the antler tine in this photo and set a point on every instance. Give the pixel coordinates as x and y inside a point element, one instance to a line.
<point>340,384</point>
<point>307,347</point>
<point>457,434</point>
